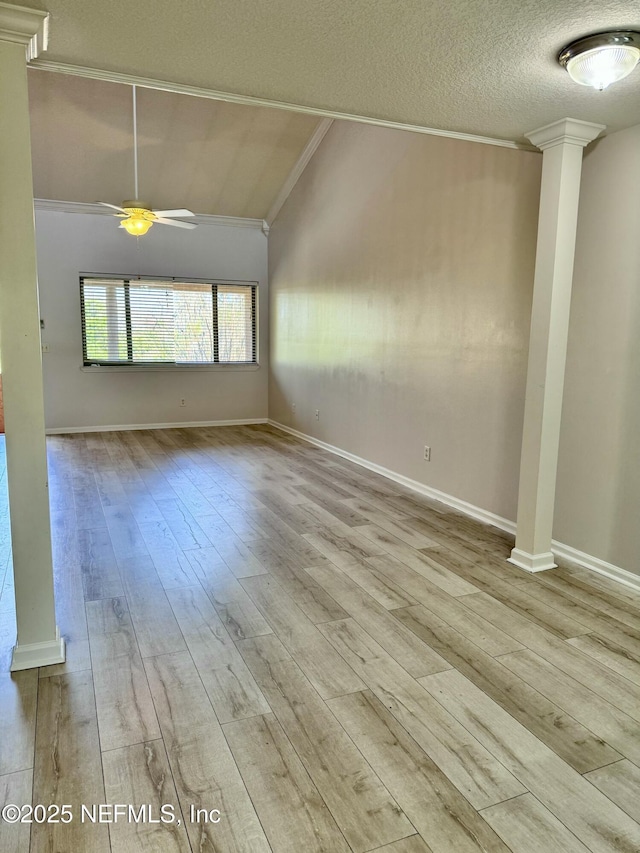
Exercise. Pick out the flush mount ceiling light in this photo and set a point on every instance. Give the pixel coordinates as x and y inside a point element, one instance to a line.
<point>601,59</point>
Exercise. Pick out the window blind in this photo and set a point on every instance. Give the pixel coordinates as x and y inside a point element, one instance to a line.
<point>126,321</point>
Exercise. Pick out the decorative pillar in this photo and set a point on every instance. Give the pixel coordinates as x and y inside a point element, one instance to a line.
<point>22,35</point>
<point>562,143</point>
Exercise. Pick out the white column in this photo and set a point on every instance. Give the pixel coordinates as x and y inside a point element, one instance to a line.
<point>22,35</point>
<point>562,143</point>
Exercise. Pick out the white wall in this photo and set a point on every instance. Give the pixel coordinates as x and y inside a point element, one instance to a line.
<point>598,490</point>
<point>401,276</point>
<point>70,244</point>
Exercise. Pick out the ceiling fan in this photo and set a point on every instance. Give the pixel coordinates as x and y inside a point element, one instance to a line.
<point>137,216</point>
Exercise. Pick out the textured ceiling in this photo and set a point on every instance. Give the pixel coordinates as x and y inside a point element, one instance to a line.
<point>208,156</point>
<point>480,66</point>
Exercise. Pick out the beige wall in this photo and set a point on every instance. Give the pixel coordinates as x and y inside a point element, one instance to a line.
<point>401,272</point>
<point>598,492</point>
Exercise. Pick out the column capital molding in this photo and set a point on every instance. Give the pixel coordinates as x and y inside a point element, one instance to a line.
<point>570,131</point>
<point>29,27</point>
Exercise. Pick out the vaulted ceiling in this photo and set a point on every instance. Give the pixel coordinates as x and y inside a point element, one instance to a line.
<point>480,66</point>
<point>206,155</point>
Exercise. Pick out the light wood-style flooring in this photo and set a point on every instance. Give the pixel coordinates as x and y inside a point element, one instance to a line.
<point>333,662</point>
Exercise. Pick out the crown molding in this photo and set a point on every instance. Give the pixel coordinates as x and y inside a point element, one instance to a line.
<point>567,130</point>
<point>301,164</point>
<point>29,27</point>
<point>54,206</point>
<point>249,100</point>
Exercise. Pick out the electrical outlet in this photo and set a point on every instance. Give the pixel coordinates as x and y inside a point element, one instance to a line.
<point>317,414</point>
<point>45,347</point>
<point>183,402</point>
<point>293,407</point>
<point>427,453</point>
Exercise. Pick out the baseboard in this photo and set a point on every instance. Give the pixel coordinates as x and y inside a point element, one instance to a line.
<point>33,655</point>
<point>564,552</point>
<point>455,503</point>
<point>595,564</point>
<point>127,427</point>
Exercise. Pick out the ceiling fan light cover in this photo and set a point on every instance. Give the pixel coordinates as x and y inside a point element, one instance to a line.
<point>136,225</point>
<point>601,59</point>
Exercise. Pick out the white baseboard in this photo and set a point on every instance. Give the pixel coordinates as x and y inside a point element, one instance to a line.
<point>565,552</point>
<point>532,562</point>
<point>595,564</point>
<point>127,427</point>
<point>33,655</point>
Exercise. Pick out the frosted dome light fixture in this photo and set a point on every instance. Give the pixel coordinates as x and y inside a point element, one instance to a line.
<point>601,59</point>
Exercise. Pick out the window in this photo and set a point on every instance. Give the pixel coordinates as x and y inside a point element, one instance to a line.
<point>166,321</point>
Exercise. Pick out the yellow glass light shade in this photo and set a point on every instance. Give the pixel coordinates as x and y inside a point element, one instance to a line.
<point>136,225</point>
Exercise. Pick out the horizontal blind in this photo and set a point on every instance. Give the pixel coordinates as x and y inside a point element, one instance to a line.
<point>167,322</point>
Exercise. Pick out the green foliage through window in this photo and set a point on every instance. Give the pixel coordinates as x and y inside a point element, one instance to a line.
<point>127,321</point>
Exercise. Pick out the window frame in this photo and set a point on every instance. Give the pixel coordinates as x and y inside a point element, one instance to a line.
<point>109,366</point>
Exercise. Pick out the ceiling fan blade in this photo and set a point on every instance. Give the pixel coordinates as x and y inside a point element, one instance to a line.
<point>175,222</point>
<point>106,204</point>
<point>172,213</point>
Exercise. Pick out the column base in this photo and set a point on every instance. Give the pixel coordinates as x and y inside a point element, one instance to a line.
<point>532,562</point>
<point>31,655</point>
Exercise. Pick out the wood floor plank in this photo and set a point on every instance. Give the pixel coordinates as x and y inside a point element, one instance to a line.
<point>616,689</point>
<point>610,654</point>
<point>601,717</point>
<point>239,614</point>
<point>361,806</point>
<point>205,774</point>
<point>100,575</point>
<point>549,719</point>
<point>311,598</point>
<point>328,542</point>
<point>173,568</point>
<point>240,560</point>
<point>229,684</point>
<point>434,806</point>
<point>374,582</point>
<point>602,623</point>
<point>139,775</point>
<point>620,782</point>
<point>15,789</point>
<point>402,644</point>
<point>460,756</point>
<point>419,561</point>
<point>278,783</point>
<point>528,827</point>
<point>447,607</point>
<point>123,702</point>
<point>412,844</point>
<point>18,696</point>
<point>126,538</point>
<point>324,668</point>
<point>68,768</point>
<point>594,819</point>
<point>397,527</point>
<point>149,607</point>
<point>183,525</point>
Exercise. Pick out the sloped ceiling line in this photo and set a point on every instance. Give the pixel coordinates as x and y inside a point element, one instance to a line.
<point>183,89</point>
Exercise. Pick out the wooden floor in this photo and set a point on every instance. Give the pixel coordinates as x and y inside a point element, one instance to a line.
<point>331,661</point>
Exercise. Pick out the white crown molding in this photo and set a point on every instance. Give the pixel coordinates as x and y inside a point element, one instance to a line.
<point>564,552</point>
<point>55,206</point>
<point>249,100</point>
<point>567,130</point>
<point>29,27</point>
<point>177,425</point>
<point>301,164</point>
